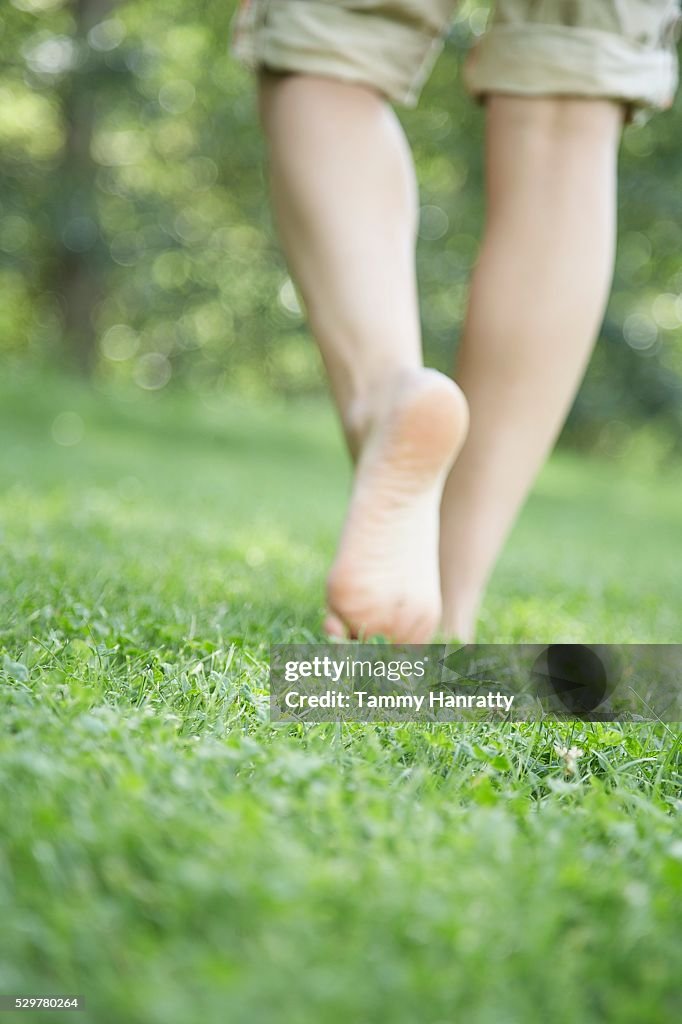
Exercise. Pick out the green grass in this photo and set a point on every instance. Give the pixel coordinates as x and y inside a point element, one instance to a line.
<point>174,858</point>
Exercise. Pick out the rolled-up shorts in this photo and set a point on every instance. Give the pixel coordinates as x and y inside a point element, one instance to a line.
<point>623,50</point>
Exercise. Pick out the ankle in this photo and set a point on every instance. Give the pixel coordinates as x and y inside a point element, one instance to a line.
<point>458,621</point>
<point>370,403</point>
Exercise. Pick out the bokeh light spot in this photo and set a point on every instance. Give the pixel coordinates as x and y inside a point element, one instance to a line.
<point>119,343</point>
<point>36,6</point>
<point>51,55</point>
<point>288,299</point>
<point>152,371</point>
<point>107,35</point>
<point>68,429</point>
<point>177,96</point>
<point>433,223</point>
<point>478,21</point>
<point>640,332</point>
<point>667,311</point>
<point>119,148</point>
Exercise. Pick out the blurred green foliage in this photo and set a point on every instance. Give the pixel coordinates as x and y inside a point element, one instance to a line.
<point>136,240</point>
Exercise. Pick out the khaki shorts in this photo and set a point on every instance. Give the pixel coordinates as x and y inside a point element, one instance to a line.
<point>618,49</point>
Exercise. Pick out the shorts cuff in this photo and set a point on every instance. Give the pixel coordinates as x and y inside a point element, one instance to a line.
<point>543,60</point>
<point>318,38</point>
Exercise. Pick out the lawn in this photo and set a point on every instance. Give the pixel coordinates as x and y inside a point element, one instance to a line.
<point>172,857</point>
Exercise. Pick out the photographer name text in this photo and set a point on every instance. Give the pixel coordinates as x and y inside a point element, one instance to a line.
<point>365,700</point>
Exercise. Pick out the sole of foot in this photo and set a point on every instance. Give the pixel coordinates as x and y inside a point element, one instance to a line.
<point>385,578</point>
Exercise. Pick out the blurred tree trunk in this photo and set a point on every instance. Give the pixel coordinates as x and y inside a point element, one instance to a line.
<point>80,264</point>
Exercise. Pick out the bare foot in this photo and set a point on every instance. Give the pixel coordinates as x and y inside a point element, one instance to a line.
<point>385,577</point>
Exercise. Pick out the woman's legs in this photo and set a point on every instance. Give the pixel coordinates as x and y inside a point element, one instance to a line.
<point>537,299</point>
<point>345,201</point>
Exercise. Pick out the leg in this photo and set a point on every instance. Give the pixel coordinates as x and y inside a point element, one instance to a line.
<point>537,298</point>
<point>345,201</point>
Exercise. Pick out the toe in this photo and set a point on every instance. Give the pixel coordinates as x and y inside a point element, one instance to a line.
<point>333,626</point>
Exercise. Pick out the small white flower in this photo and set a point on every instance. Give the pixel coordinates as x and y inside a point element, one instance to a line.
<point>569,756</point>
